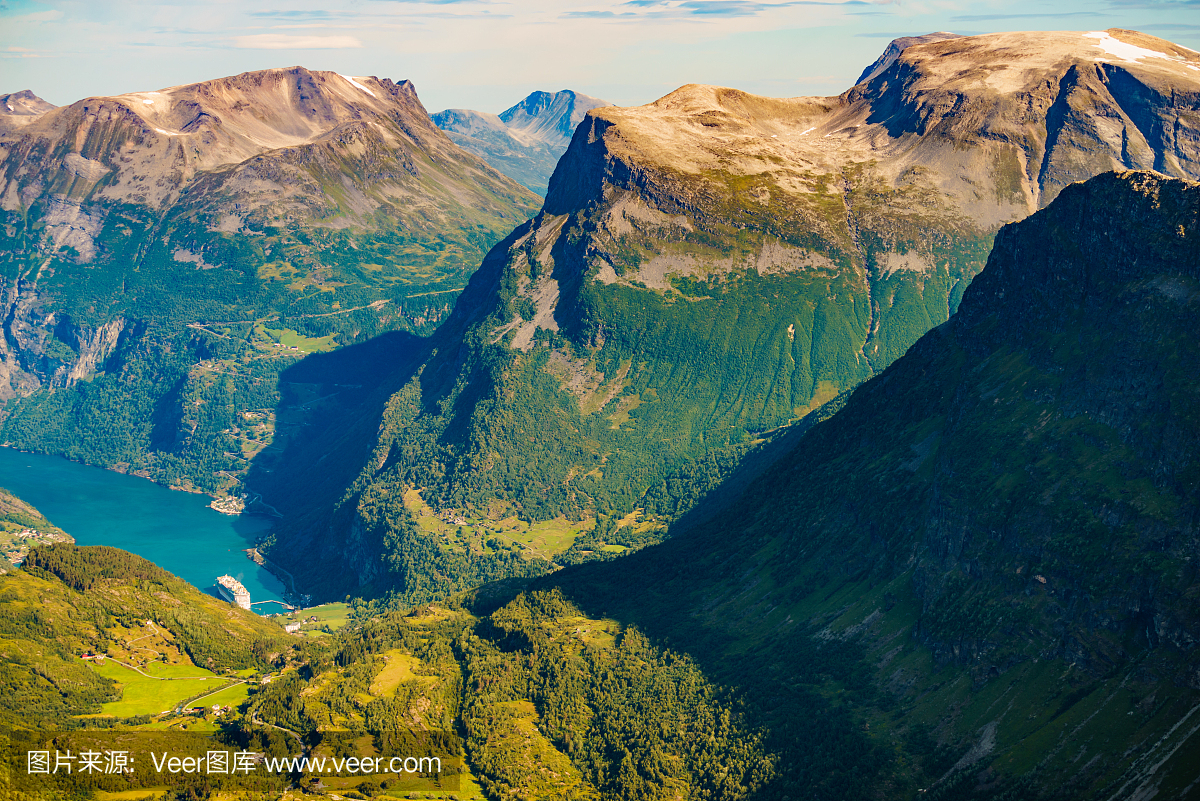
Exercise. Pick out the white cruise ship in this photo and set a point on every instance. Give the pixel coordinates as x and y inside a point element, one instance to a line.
<point>232,590</point>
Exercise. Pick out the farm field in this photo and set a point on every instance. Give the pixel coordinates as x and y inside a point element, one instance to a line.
<point>287,338</point>
<point>543,540</point>
<point>230,696</point>
<point>332,615</point>
<point>163,689</point>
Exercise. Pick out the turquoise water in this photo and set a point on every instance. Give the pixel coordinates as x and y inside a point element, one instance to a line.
<point>175,530</point>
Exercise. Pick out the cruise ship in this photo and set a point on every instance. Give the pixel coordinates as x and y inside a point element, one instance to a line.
<point>232,590</point>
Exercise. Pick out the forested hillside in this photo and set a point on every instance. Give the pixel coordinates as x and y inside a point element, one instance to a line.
<point>23,527</point>
<point>68,601</point>
<point>976,579</point>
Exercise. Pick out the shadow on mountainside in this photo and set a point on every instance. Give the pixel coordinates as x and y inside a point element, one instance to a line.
<point>329,408</point>
<point>992,541</point>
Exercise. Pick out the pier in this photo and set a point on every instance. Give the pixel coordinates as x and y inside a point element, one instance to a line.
<point>286,606</point>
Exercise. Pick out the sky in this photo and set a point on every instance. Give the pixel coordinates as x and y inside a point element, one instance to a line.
<point>488,54</point>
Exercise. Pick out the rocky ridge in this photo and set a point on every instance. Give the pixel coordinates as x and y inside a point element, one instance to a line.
<point>18,109</point>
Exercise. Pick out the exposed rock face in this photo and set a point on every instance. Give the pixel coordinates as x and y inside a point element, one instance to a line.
<point>715,265</point>
<point>898,46</point>
<point>18,109</point>
<point>550,118</point>
<point>253,132</point>
<point>525,141</point>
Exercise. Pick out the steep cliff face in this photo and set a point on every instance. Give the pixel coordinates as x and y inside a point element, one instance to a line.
<point>287,210</point>
<point>898,46</point>
<point>716,265</point>
<point>1001,527</point>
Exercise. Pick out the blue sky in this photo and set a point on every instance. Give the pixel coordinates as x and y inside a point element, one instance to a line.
<point>488,54</point>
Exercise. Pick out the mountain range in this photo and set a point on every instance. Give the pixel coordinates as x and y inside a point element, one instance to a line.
<point>838,447</point>
<point>974,581</point>
<point>705,271</point>
<point>524,141</point>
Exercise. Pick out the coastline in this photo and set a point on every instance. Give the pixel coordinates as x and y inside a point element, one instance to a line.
<point>248,506</point>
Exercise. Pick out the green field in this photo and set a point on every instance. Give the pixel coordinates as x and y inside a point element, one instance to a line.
<point>141,695</point>
<point>335,616</point>
<point>544,539</point>
<point>230,696</point>
<point>287,338</point>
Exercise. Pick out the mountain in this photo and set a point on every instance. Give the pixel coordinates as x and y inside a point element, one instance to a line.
<point>550,118</point>
<point>705,270</point>
<point>167,253</point>
<point>976,580</point>
<point>18,109</point>
<point>525,141</point>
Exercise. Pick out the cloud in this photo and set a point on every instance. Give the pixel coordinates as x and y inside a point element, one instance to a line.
<point>36,16</point>
<point>1159,4</point>
<point>298,14</point>
<point>594,15</point>
<point>283,41</point>
<point>20,52</point>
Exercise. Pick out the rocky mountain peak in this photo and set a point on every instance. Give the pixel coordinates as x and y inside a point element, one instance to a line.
<point>18,109</point>
<point>550,118</point>
<point>24,104</point>
<point>525,141</point>
<point>898,46</point>
<point>998,122</point>
<point>147,146</point>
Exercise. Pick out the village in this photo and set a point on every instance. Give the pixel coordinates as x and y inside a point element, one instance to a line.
<point>19,543</point>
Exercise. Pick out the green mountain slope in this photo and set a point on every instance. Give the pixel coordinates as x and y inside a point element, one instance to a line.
<point>707,269</point>
<point>168,253</point>
<point>982,568</point>
<point>68,601</point>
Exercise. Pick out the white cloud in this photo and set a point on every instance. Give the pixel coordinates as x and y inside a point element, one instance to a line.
<point>283,41</point>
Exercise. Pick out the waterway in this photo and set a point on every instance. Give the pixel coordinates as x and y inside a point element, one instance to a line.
<point>175,530</point>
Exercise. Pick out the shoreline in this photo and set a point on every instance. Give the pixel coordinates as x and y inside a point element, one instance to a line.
<point>249,505</point>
